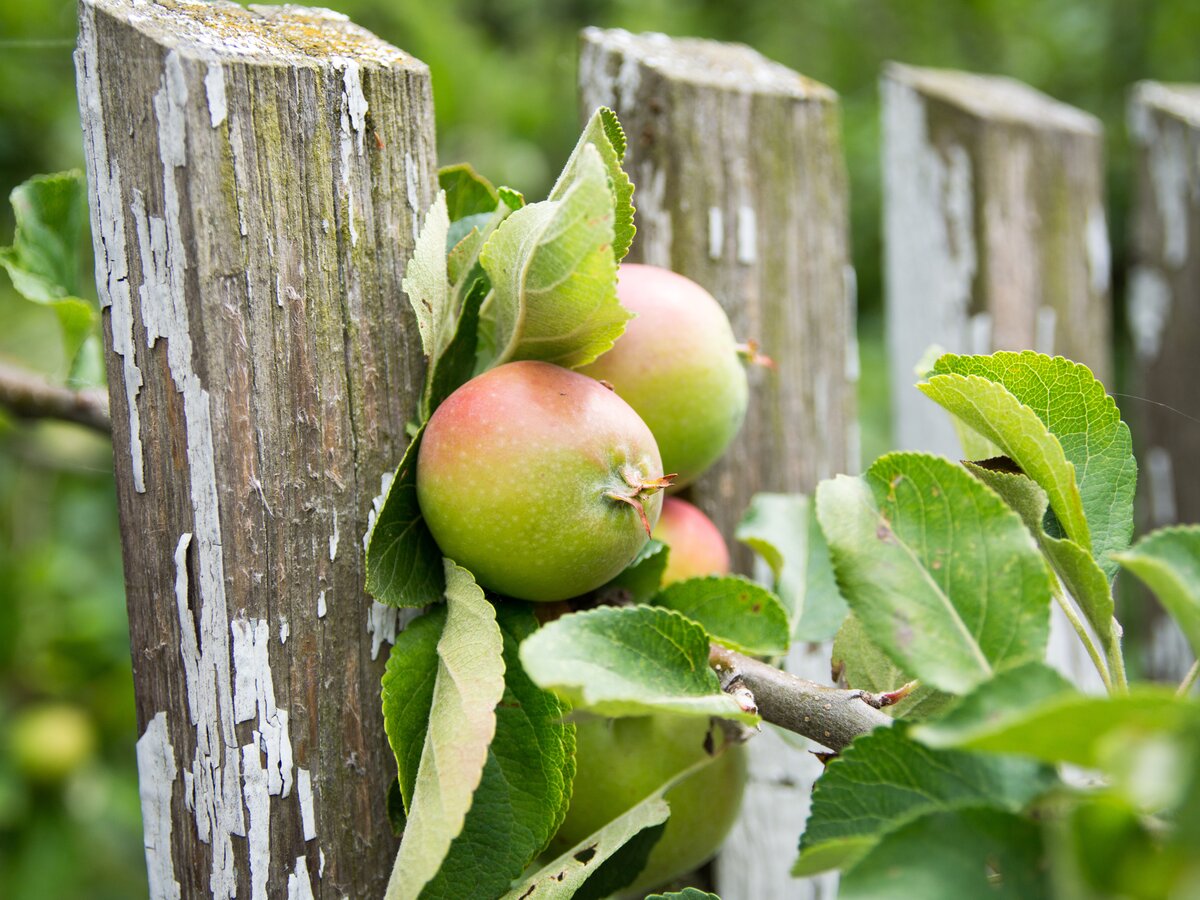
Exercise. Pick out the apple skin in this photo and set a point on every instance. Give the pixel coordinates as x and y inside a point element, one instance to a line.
<point>696,546</point>
<point>514,478</point>
<point>677,364</point>
<point>619,762</point>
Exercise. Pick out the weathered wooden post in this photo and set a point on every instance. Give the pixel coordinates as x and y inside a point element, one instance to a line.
<point>741,186</point>
<point>256,176</point>
<point>995,239</point>
<point>1164,318</point>
<point>994,228</point>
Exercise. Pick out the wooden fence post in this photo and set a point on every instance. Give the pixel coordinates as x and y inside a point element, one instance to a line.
<point>1164,320</point>
<point>256,177</point>
<point>994,229</point>
<point>741,185</point>
<point>995,239</point>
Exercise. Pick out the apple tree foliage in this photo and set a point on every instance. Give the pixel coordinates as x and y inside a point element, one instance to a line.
<point>926,572</point>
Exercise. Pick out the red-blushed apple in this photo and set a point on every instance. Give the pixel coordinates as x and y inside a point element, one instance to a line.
<point>696,546</point>
<point>619,762</point>
<point>678,365</point>
<point>540,481</point>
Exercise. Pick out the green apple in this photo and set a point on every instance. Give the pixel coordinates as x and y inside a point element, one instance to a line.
<point>678,365</point>
<point>619,762</point>
<point>50,741</point>
<point>541,481</point>
<point>696,545</point>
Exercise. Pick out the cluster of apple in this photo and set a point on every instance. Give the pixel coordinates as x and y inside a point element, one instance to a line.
<point>546,483</point>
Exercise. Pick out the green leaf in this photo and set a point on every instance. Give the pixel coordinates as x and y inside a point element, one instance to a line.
<point>734,611</point>
<point>942,574</point>
<point>403,561</point>
<point>1168,561</point>
<point>783,530</point>
<point>690,893</point>
<point>884,779</point>
<point>46,256</point>
<point>427,283</point>
<point>1064,727</point>
<point>553,275</point>
<point>456,365</point>
<point>470,682</point>
<point>1080,574</point>
<point>628,661</point>
<point>864,666</point>
<point>562,878</point>
<point>526,785</point>
<point>1005,698</point>
<point>640,580</point>
<point>467,192</point>
<point>953,855</point>
<point>623,867</point>
<point>990,409</point>
<point>511,197</point>
<point>45,259</point>
<point>603,131</point>
<point>408,683</point>
<point>1074,406</point>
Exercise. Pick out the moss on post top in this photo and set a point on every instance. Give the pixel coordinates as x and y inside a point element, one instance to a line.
<point>994,97</point>
<point>220,31</point>
<point>733,67</point>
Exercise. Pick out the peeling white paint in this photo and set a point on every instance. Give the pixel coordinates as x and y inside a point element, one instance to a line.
<point>654,219</point>
<point>979,333</point>
<point>333,538</point>
<point>716,232</point>
<point>156,779</point>
<point>1148,310</point>
<point>382,625</point>
<point>1044,330</point>
<point>321,864</point>
<point>1168,164</point>
<point>258,837</point>
<point>216,767</point>
<point>412,184</point>
<point>284,629</point>
<point>385,485</point>
<point>299,885</point>
<point>1099,254</point>
<point>931,258</point>
<point>1161,475</point>
<point>254,694</point>
<point>321,608</point>
<point>304,793</point>
<point>356,103</point>
<point>108,224</point>
<point>214,88</point>
<point>747,235</point>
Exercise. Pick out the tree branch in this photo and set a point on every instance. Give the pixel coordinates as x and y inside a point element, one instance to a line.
<point>30,396</point>
<point>830,716</point>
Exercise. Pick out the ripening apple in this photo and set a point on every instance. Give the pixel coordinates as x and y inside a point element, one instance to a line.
<point>541,481</point>
<point>619,762</point>
<point>678,365</point>
<point>696,545</point>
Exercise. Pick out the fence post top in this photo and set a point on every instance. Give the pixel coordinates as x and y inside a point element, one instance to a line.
<point>715,64</point>
<point>993,97</point>
<point>220,31</point>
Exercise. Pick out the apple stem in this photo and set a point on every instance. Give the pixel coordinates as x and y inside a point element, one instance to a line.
<point>749,354</point>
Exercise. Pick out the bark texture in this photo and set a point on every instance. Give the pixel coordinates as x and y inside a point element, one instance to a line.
<point>741,186</point>
<point>994,228</point>
<point>256,177</point>
<point>1164,321</point>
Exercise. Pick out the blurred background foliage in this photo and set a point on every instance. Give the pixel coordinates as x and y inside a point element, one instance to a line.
<point>503,74</point>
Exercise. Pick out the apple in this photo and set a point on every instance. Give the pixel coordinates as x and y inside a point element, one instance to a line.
<point>541,481</point>
<point>696,545</point>
<point>678,365</point>
<point>51,740</point>
<point>619,762</point>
